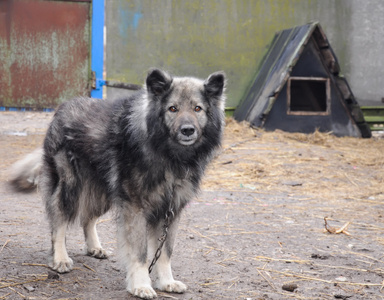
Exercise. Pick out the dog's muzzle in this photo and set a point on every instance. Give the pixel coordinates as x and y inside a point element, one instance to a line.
<point>187,135</point>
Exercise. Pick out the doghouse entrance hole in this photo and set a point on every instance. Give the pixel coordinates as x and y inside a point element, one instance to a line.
<point>308,95</point>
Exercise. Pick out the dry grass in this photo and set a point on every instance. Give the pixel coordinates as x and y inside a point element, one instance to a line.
<point>320,164</point>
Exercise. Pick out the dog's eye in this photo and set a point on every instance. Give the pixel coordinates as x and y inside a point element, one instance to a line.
<point>173,109</point>
<point>198,108</point>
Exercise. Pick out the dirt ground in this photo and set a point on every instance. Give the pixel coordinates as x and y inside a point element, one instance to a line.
<point>257,230</point>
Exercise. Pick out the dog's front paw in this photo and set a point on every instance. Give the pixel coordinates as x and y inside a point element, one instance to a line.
<point>145,292</point>
<point>98,253</point>
<point>62,266</point>
<point>172,286</point>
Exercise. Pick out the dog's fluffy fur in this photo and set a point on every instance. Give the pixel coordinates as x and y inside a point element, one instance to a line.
<point>24,174</point>
<point>137,155</point>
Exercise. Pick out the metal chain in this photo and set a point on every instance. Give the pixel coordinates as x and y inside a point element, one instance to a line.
<point>169,214</point>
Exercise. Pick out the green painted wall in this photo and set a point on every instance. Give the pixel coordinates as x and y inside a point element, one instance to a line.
<point>198,37</point>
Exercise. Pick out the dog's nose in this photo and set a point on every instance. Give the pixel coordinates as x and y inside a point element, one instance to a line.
<point>187,130</point>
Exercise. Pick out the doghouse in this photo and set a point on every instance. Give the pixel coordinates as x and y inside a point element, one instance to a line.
<point>299,88</point>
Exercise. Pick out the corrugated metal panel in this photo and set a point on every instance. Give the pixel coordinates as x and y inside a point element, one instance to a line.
<point>44,52</point>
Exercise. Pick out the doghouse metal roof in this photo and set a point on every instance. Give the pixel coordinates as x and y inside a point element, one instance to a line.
<point>276,68</point>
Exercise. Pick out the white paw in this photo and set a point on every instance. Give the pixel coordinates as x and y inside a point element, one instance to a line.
<point>172,286</point>
<point>98,253</point>
<point>62,266</point>
<point>145,292</point>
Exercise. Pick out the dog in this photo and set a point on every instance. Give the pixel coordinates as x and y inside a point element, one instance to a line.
<point>144,156</point>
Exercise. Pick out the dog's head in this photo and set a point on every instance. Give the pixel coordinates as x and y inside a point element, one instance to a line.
<point>186,103</point>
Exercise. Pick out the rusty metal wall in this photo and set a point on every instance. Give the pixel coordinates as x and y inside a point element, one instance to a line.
<point>44,52</point>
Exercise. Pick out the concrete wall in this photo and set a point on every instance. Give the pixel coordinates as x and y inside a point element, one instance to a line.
<point>198,37</point>
<point>365,40</point>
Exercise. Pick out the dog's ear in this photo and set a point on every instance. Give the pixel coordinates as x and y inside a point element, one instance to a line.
<point>158,82</point>
<point>215,83</point>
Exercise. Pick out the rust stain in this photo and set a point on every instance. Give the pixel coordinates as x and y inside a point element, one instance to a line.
<point>44,52</point>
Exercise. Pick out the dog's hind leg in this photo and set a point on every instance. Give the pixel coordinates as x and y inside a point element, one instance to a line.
<point>162,270</point>
<point>60,192</point>
<point>60,262</point>
<point>132,235</point>
<point>92,240</point>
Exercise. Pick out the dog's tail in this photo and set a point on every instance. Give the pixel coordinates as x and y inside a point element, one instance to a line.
<point>24,174</point>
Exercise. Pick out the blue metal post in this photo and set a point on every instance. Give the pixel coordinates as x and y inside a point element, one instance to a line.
<point>97,49</point>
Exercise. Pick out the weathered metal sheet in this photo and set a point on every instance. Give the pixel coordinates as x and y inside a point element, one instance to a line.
<point>44,52</point>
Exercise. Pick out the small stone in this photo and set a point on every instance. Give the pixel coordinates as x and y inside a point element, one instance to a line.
<point>319,256</point>
<point>339,296</point>
<point>292,183</point>
<point>29,288</point>
<point>289,287</point>
<point>115,268</point>
<point>53,275</point>
<point>341,279</point>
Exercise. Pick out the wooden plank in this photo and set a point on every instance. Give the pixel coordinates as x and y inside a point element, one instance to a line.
<point>374,119</point>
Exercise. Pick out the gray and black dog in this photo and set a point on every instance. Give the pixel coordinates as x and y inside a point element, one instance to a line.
<point>144,156</point>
